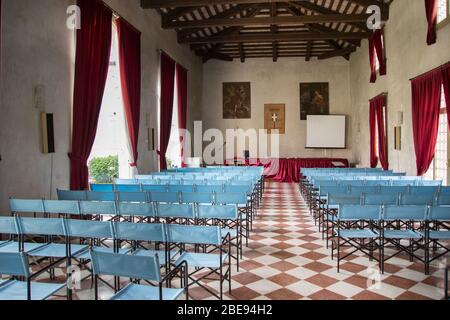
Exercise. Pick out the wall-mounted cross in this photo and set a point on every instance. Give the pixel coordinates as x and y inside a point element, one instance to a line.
<point>274,117</point>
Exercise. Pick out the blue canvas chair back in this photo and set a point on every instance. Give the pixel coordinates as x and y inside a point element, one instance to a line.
<point>41,226</point>
<point>358,212</point>
<point>165,197</point>
<point>181,188</point>
<point>360,190</point>
<point>126,181</point>
<point>431,183</point>
<point>136,209</point>
<point>191,182</point>
<point>89,229</point>
<point>102,187</point>
<point>196,197</point>
<point>343,199</point>
<point>247,189</point>
<point>149,183</point>
<point>379,183</point>
<point>26,206</point>
<point>194,234</point>
<point>424,190</point>
<point>209,188</point>
<point>132,197</point>
<point>352,183</point>
<point>417,199</point>
<point>154,188</point>
<point>14,264</point>
<point>394,213</point>
<point>404,183</point>
<point>217,212</point>
<point>98,208</point>
<point>62,207</point>
<point>444,191</point>
<point>175,211</point>
<point>394,190</point>
<point>101,196</point>
<point>153,232</point>
<point>323,191</point>
<point>381,199</point>
<point>127,266</point>
<point>71,195</point>
<point>231,198</point>
<point>128,188</point>
<point>8,225</point>
<point>443,200</point>
<point>439,214</point>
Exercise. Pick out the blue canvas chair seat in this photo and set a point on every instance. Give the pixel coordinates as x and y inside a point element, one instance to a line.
<point>17,290</point>
<point>12,247</point>
<point>56,250</point>
<point>142,292</point>
<point>440,235</point>
<point>202,260</point>
<point>359,234</point>
<point>87,255</point>
<point>233,232</point>
<point>402,234</point>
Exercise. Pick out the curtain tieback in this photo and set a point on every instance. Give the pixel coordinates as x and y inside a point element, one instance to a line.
<point>133,165</point>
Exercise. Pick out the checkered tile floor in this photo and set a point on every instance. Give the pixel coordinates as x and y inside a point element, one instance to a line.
<point>288,260</point>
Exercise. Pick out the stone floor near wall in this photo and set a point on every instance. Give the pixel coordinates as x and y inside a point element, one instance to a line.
<point>287,260</point>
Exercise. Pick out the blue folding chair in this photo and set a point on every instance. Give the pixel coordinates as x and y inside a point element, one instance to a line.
<point>19,206</point>
<point>71,195</point>
<point>164,197</point>
<point>417,199</point>
<point>101,196</point>
<point>8,226</point>
<point>213,260</point>
<point>197,198</point>
<point>127,188</point>
<point>227,218</point>
<point>142,212</point>
<point>357,226</point>
<point>437,235</point>
<point>138,268</point>
<point>175,213</point>
<point>380,199</point>
<point>154,188</point>
<point>132,197</point>
<point>98,187</point>
<point>16,265</point>
<point>397,225</point>
<point>61,207</point>
<point>99,210</point>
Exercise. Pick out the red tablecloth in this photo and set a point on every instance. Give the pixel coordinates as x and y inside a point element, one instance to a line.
<point>288,170</point>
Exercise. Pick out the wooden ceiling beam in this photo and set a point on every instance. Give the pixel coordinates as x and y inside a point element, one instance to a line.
<point>285,36</point>
<point>281,20</point>
<point>154,4</point>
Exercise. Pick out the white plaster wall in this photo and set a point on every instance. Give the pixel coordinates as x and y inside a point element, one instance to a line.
<point>408,56</point>
<point>279,83</point>
<point>37,48</point>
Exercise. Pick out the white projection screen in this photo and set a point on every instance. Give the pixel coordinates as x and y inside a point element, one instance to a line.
<point>326,132</point>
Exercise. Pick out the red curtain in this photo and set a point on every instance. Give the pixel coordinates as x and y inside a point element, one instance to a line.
<point>377,51</point>
<point>130,78</point>
<point>182,108</point>
<point>382,131</point>
<point>167,90</point>
<point>91,70</point>
<point>373,135</point>
<point>431,9</point>
<point>426,97</point>
<point>446,83</point>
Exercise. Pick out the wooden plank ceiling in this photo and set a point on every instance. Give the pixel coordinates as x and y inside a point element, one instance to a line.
<point>244,29</point>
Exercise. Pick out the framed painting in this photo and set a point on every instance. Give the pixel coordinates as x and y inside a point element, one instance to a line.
<point>237,100</point>
<point>314,99</point>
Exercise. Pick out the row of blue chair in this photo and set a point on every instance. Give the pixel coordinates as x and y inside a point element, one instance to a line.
<point>244,187</point>
<point>158,233</point>
<point>370,228</point>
